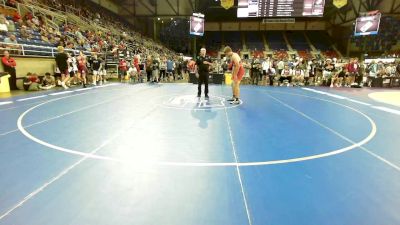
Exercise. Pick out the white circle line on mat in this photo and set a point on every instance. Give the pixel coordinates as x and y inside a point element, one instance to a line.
<point>202,164</point>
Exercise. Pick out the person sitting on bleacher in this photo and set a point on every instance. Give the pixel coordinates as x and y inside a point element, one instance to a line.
<point>48,82</point>
<point>3,25</point>
<point>11,3</point>
<point>25,33</point>
<point>12,40</point>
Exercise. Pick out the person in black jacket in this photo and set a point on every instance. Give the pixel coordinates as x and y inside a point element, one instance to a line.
<point>203,63</point>
<point>62,65</point>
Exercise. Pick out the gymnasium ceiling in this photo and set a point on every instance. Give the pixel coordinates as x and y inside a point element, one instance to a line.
<point>214,12</point>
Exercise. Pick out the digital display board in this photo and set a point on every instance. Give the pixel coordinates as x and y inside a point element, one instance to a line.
<point>367,25</point>
<point>280,8</point>
<point>196,26</point>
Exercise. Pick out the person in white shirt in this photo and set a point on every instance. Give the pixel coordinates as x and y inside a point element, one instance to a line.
<point>286,74</point>
<point>298,75</point>
<point>266,67</point>
<point>280,66</point>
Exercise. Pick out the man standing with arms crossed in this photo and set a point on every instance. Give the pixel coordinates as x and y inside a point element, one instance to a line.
<point>203,64</point>
<point>237,74</point>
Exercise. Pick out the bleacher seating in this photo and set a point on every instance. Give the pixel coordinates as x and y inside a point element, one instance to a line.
<point>107,27</point>
<point>330,54</point>
<point>281,54</point>
<point>276,41</point>
<point>213,40</point>
<point>233,39</point>
<point>254,41</point>
<point>212,53</point>
<point>304,54</point>
<point>320,40</point>
<point>297,41</point>
<point>258,54</point>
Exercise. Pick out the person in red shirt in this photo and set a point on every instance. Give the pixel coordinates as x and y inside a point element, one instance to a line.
<point>9,65</point>
<point>82,68</point>
<point>352,69</point>
<point>122,68</point>
<point>136,62</point>
<point>17,17</point>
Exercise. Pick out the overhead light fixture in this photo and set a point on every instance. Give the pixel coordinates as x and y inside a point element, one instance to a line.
<point>158,18</point>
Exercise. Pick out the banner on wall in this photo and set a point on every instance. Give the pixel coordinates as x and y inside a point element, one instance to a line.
<point>339,3</point>
<point>227,4</point>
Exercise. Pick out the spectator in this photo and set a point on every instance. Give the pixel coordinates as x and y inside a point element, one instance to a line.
<point>48,82</point>
<point>11,3</point>
<point>3,25</point>
<point>31,82</point>
<point>62,65</point>
<point>122,69</point>
<point>11,41</point>
<point>17,18</point>
<point>149,67</point>
<point>352,69</point>
<point>25,33</point>
<point>9,65</point>
<point>286,74</point>
<point>298,75</point>
<point>328,72</point>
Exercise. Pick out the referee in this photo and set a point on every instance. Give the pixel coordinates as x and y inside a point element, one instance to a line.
<point>203,64</point>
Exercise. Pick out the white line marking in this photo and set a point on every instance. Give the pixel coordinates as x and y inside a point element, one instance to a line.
<point>382,108</point>
<point>359,102</point>
<point>338,134</point>
<point>62,115</point>
<point>5,103</point>
<point>35,97</point>
<point>336,96</point>
<point>237,168</point>
<point>54,179</point>
<point>67,170</point>
<point>213,164</point>
<point>83,89</point>
<point>381,158</point>
<point>61,93</point>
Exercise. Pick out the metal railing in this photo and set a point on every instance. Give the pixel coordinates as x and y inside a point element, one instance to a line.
<point>36,50</point>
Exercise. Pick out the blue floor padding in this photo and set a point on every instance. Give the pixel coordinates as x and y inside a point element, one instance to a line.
<point>140,131</point>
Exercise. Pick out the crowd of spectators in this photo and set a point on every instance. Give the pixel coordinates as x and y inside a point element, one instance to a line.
<point>326,72</point>
<point>112,38</point>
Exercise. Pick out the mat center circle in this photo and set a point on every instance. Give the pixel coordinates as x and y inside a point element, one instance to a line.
<point>192,102</point>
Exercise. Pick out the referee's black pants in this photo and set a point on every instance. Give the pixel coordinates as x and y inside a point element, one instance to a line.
<point>203,78</point>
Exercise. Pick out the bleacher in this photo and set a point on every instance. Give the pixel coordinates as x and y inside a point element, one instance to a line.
<point>233,39</point>
<point>320,40</point>
<point>213,40</point>
<point>304,54</point>
<point>254,41</point>
<point>276,40</point>
<point>297,40</point>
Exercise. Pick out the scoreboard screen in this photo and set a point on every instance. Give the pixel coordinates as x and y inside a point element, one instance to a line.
<point>196,26</point>
<point>367,25</point>
<point>280,8</point>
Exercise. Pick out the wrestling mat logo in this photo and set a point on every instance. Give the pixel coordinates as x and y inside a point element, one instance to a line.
<point>190,102</point>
